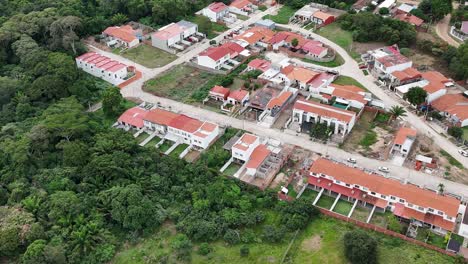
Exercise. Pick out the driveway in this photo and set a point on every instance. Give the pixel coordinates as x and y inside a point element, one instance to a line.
<point>443,28</point>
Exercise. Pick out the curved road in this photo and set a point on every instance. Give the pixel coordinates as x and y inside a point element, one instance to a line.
<point>349,68</point>
<point>442,30</point>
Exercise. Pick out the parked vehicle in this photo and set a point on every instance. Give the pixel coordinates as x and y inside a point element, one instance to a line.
<point>351,160</point>
<point>384,169</point>
<point>464,153</point>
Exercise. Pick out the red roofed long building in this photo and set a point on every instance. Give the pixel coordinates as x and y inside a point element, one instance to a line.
<point>121,36</point>
<point>102,67</point>
<point>180,128</point>
<point>309,111</point>
<point>454,107</point>
<point>406,201</point>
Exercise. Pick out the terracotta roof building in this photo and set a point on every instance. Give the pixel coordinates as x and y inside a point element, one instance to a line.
<point>404,140</point>
<point>215,57</point>
<point>454,107</point>
<point>258,64</point>
<point>411,19</point>
<point>406,201</point>
<point>103,67</point>
<point>219,93</point>
<point>133,117</point>
<point>121,36</point>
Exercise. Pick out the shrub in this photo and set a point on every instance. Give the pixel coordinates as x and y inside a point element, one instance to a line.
<point>272,234</point>
<point>205,249</point>
<point>360,247</point>
<point>232,237</point>
<point>455,132</point>
<point>244,251</point>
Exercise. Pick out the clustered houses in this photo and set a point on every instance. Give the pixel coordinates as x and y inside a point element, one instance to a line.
<point>433,82</point>
<point>309,14</point>
<point>222,56</point>
<point>305,111</point>
<point>275,106</point>
<point>172,126</point>
<point>344,96</point>
<point>384,61</point>
<point>103,67</point>
<point>258,64</point>
<point>216,11</point>
<point>249,151</point>
<point>408,202</point>
<point>312,48</point>
<point>403,141</point>
<point>233,98</point>
<point>124,36</point>
<point>255,36</point>
<point>242,7</point>
<point>454,107</point>
<point>403,13</point>
<point>176,36</point>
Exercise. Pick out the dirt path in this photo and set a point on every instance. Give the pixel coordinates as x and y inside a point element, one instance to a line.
<point>442,29</point>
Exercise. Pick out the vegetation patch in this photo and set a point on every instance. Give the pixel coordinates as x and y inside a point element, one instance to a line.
<point>283,16</point>
<point>178,83</point>
<point>232,169</point>
<point>325,201</point>
<point>339,36</point>
<point>346,80</point>
<point>148,56</point>
<point>178,150</point>
<point>451,159</point>
<point>207,27</point>
<point>166,145</point>
<point>369,139</point>
<point>338,61</point>
<point>343,207</point>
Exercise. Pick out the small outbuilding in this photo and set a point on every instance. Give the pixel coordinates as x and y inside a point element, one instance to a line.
<point>266,23</point>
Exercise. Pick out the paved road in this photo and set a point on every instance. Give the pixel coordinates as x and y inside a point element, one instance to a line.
<point>349,68</point>
<point>442,30</point>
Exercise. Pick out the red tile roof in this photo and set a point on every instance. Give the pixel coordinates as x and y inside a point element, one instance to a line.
<point>412,194</point>
<point>257,157</point>
<point>125,33</point>
<point>220,90</point>
<point>322,15</point>
<point>404,133</point>
<point>408,213</point>
<point>160,116</point>
<point>314,47</point>
<point>238,95</point>
<point>228,48</point>
<point>240,3</point>
<point>454,104</point>
<point>406,74</point>
<point>279,100</point>
<point>245,141</point>
<point>325,110</point>
<point>436,81</point>
<point>300,74</point>
<point>133,116</point>
<point>185,123</point>
<point>409,18</point>
<point>259,64</point>
<point>256,34</point>
<point>217,7</point>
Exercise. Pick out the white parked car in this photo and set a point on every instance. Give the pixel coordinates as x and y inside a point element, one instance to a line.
<point>384,169</point>
<point>351,160</point>
<point>464,153</point>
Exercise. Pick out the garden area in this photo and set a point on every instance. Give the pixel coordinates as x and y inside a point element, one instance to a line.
<point>427,236</point>
<point>166,145</point>
<point>283,15</point>
<point>325,201</point>
<point>360,214</point>
<point>345,80</point>
<point>215,156</point>
<point>152,143</point>
<point>178,83</point>
<point>231,169</point>
<point>148,56</point>
<point>178,150</point>
<point>343,207</point>
<point>142,137</point>
<point>309,194</point>
<point>380,219</point>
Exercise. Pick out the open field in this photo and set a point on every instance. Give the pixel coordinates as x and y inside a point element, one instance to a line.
<point>320,242</point>
<point>345,80</point>
<point>283,15</point>
<point>178,83</point>
<point>338,61</point>
<point>341,37</point>
<point>148,56</point>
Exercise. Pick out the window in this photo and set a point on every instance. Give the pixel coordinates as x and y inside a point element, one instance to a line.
<point>449,217</point>
<point>430,210</point>
<point>440,213</point>
<point>373,193</point>
<point>402,201</point>
<point>338,182</point>
<point>421,208</point>
<point>383,196</point>
<point>348,185</point>
<point>410,205</point>
<point>392,197</point>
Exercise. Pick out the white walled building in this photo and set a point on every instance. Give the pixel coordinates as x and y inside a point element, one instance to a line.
<point>102,67</point>
<point>245,145</point>
<point>174,35</point>
<point>124,36</point>
<point>216,57</point>
<point>403,142</point>
<point>386,60</point>
<point>216,11</point>
<point>309,111</point>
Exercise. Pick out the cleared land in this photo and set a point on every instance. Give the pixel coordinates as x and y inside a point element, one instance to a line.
<point>320,242</point>
<point>214,30</point>
<point>178,83</point>
<point>283,15</point>
<point>341,37</point>
<point>346,80</point>
<point>148,56</point>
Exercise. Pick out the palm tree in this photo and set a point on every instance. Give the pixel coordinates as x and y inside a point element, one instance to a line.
<point>441,187</point>
<point>397,111</point>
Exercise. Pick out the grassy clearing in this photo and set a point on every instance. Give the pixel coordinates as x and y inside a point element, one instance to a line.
<point>283,15</point>
<point>231,169</point>
<point>341,37</point>
<point>363,125</point>
<point>291,191</point>
<point>309,194</point>
<point>360,214</point>
<point>338,61</point>
<point>178,83</point>
<point>345,80</point>
<point>152,143</point>
<point>215,30</point>
<point>142,137</point>
<point>325,201</point>
<point>425,235</point>
<point>451,159</point>
<point>320,242</point>
<point>149,56</point>
<point>380,219</point>
<point>343,207</point>
<point>178,150</point>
